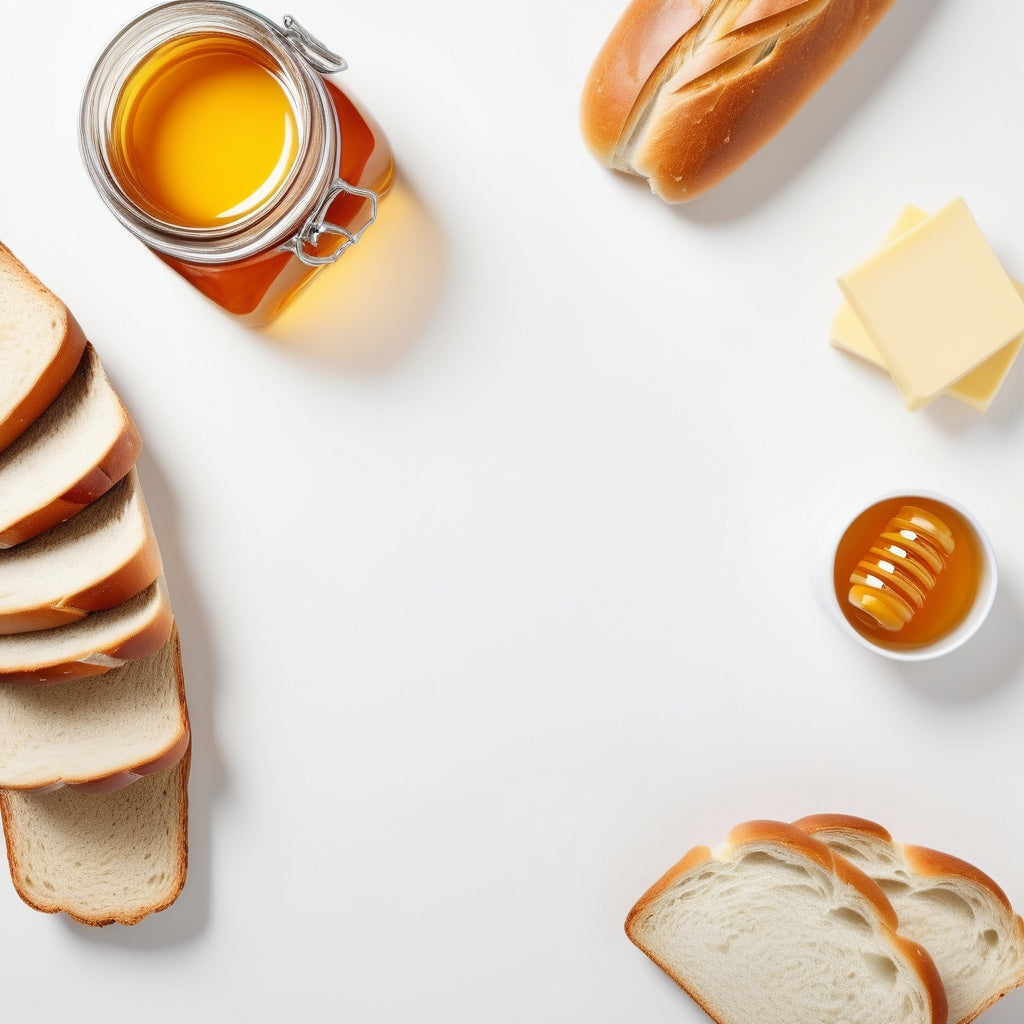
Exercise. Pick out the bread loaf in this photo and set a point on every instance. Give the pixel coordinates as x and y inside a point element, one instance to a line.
<point>775,929</point>
<point>684,91</point>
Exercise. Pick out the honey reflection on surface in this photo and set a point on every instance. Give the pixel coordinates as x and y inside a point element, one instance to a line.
<point>946,604</point>
<point>371,305</point>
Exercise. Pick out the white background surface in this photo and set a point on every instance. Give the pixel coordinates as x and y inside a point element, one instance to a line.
<point>491,558</point>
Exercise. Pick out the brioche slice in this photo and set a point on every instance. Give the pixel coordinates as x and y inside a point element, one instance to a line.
<point>99,642</point>
<point>775,929</point>
<point>100,857</point>
<point>76,451</point>
<point>951,908</point>
<point>102,732</point>
<point>96,560</point>
<point>40,346</point>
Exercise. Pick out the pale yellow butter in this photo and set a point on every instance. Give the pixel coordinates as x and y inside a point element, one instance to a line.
<point>977,388</point>
<point>936,303</point>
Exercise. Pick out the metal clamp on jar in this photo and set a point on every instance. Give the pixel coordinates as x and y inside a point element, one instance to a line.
<point>214,136</point>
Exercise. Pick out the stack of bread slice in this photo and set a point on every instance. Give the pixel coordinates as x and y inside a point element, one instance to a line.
<point>94,732</point>
<point>829,921</point>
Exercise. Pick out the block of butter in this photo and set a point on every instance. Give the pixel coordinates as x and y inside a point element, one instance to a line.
<point>936,303</point>
<point>977,388</point>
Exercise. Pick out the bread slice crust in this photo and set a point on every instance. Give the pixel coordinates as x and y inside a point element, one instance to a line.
<point>92,473</point>
<point>53,368</point>
<point>93,645</point>
<point>730,75</point>
<point>791,843</point>
<point>125,566</point>
<point>106,750</point>
<point>88,837</point>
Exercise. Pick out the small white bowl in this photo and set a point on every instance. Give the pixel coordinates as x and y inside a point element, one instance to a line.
<point>823,564</point>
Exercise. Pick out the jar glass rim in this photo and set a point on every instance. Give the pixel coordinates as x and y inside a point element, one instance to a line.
<point>282,213</point>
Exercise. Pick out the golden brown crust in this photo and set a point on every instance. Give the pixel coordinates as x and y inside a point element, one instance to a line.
<point>127,580</point>
<point>703,123</point>
<point>787,835</point>
<point>933,864</point>
<point>61,367</point>
<point>112,467</point>
<point>126,774</point>
<point>698,855</point>
<point>637,44</point>
<point>150,638</point>
<point>178,778</point>
<point>928,973</point>
<point>813,823</point>
<point>920,859</point>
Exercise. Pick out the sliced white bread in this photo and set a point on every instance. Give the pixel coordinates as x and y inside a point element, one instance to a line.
<point>99,642</point>
<point>95,560</point>
<point>100,857</point>
<point>40,346</point>
<point>775,929</point>
<point>99,733</point>
<point>76,451</point>
<point>951,908</point>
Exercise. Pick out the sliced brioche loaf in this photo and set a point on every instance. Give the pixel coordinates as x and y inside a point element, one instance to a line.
<point>951,908</point>
<point>95,560</point>
<point>100,857</point>
<point>99,642</point>
<point>102,732</point>
<point>76,451</point>
<point>775,929</point>
<point>40,346</point>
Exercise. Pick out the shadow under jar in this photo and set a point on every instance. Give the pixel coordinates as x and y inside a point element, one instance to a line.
<point>216,138</point>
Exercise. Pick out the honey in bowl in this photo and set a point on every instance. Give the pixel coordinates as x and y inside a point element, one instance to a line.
<point>907,572</point>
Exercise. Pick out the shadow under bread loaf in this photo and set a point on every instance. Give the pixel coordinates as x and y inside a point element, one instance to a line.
<point>684,91</point>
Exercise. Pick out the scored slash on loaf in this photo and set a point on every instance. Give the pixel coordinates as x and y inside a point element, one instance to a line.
<point>684,91</point>
<point>828,921</point>
<point>94,730</point>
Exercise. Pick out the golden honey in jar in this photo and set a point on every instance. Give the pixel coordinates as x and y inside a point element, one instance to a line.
<point>217,138</point>
<point>907,572</point>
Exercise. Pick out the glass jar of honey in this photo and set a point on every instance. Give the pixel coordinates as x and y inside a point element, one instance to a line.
<point>215,137</point>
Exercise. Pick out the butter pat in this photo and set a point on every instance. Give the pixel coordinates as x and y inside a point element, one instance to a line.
<point>936,303</point>
<point>977,388</point>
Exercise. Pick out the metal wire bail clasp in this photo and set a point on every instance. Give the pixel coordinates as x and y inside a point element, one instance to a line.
<point>309,237</point>
<point>318,56</point>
